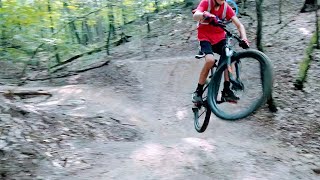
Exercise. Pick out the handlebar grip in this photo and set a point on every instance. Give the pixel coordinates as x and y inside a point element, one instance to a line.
<point>243,45</point>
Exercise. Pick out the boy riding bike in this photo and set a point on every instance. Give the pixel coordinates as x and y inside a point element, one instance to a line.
<point>212,39</point>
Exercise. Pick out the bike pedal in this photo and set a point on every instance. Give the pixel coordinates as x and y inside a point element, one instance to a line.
<point>233,101</point>
<point>228,100</point>
<point>197,105</point>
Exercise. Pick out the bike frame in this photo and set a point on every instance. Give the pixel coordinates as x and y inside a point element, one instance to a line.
<point>226,57</point>
<point>230,57</point>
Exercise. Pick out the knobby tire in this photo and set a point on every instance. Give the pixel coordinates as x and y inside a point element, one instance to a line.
<point>266,80</point>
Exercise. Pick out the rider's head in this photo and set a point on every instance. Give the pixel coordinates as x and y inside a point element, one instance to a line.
<point>218,2</point>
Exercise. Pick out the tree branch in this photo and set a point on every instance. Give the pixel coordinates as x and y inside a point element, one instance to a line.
<point>70,73</point>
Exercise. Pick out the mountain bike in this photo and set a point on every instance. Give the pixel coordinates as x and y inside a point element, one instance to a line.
<point>251,78</point>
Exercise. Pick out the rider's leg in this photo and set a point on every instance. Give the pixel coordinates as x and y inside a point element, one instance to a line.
<point>209,62</point>
<point>200,53</point>
<point>226,72</point>
<point>227,93</point>
<point>219,49</point>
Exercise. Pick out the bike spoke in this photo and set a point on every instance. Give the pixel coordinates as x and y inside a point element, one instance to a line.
<point>250,90</point>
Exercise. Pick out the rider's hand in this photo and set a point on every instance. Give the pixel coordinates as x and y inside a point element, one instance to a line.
<point>244,44</point>
<point>210,17</point>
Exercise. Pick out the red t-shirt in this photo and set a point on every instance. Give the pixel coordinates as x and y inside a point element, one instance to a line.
<point>210,33</point>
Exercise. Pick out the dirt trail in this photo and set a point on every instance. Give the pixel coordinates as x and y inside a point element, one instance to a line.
<point>132,119</point>
<point>169,147</point>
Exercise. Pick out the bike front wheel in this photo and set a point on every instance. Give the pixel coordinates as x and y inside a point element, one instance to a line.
<point>255,79</point>
<point>202,113</point>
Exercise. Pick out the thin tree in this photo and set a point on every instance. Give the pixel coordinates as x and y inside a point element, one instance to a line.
<point>72,26</point>
<point>189,3</point>
<point>259,25</point>
<point>146,17</point>
<point>271,104</point>
<point>52,31</point>
<point>243,6</point>
<point>99,27</point>
<point>85,32</point>
<point>112,21</point>
<point>156,4</point>
<point>317,24</point>
<point>2,39</point>
<point>111,28</point>
<point>309,5</point>
<point>280,11</point>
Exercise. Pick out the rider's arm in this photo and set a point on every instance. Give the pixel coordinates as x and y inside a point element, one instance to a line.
<point>240,27</point>
<point>198,15</point>
<point>202,7</point>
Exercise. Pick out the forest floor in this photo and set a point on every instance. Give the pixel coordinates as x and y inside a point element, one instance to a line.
<point>132,118</point>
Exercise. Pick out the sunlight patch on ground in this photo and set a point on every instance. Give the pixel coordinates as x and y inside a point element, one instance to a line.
<point>160,157</point>
<point>70,90</point>
<point>304,31</point>
<point>74,79</point>
<point>181,114</point>
<point>64,94</point>
<point>150,153</point>
<point>49,103</point>
<point>250,178</point>
<point>135,119</point>
<point>79,112</point>
<point>200,143</point>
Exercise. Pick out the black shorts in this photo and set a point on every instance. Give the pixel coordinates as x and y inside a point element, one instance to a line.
<point>207,48</point>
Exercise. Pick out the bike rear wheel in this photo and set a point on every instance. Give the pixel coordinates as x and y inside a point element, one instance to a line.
<point>202,113</point>
<point>256,78</point>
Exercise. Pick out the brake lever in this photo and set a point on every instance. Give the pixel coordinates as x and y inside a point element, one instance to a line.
<point>220,23</point>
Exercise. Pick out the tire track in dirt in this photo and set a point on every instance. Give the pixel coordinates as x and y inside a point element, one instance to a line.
<point>171,148</point>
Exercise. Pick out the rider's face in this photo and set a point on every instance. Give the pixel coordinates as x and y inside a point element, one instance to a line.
<point>220,2</point>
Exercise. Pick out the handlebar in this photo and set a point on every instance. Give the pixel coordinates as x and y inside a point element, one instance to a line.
<point>222,25</point>
<point>234,80</point>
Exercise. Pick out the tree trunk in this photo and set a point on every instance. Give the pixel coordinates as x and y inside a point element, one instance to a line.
<point>109,39</point>
<point>259,26</point>
<point>189,3</point>
<point>111,29</point>
<point>99,27</point>
<point>74,31</point>
<point>271,104</point>
<point>243,6</point>
<point>124,18</point>
<point>156,2</point>
<point>309,5</point>
<point>280,11</point>
<point>2,39</point>
<point>317,25</point>
<point>111,24</point>
<point>73,28</point>
<point>52,31</point>
<point>85,36</point>
<point>89,33</point>
<point>148,24</point>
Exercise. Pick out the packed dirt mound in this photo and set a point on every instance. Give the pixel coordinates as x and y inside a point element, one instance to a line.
<point>132,118</point>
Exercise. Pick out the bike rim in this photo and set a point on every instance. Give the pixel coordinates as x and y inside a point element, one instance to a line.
<point>257,79</point>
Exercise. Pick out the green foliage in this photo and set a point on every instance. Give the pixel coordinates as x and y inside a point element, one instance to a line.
<point>26,26</point>
<point>305,63</point>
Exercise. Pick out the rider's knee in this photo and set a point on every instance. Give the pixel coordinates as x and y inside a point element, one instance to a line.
<point>210,60</point>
